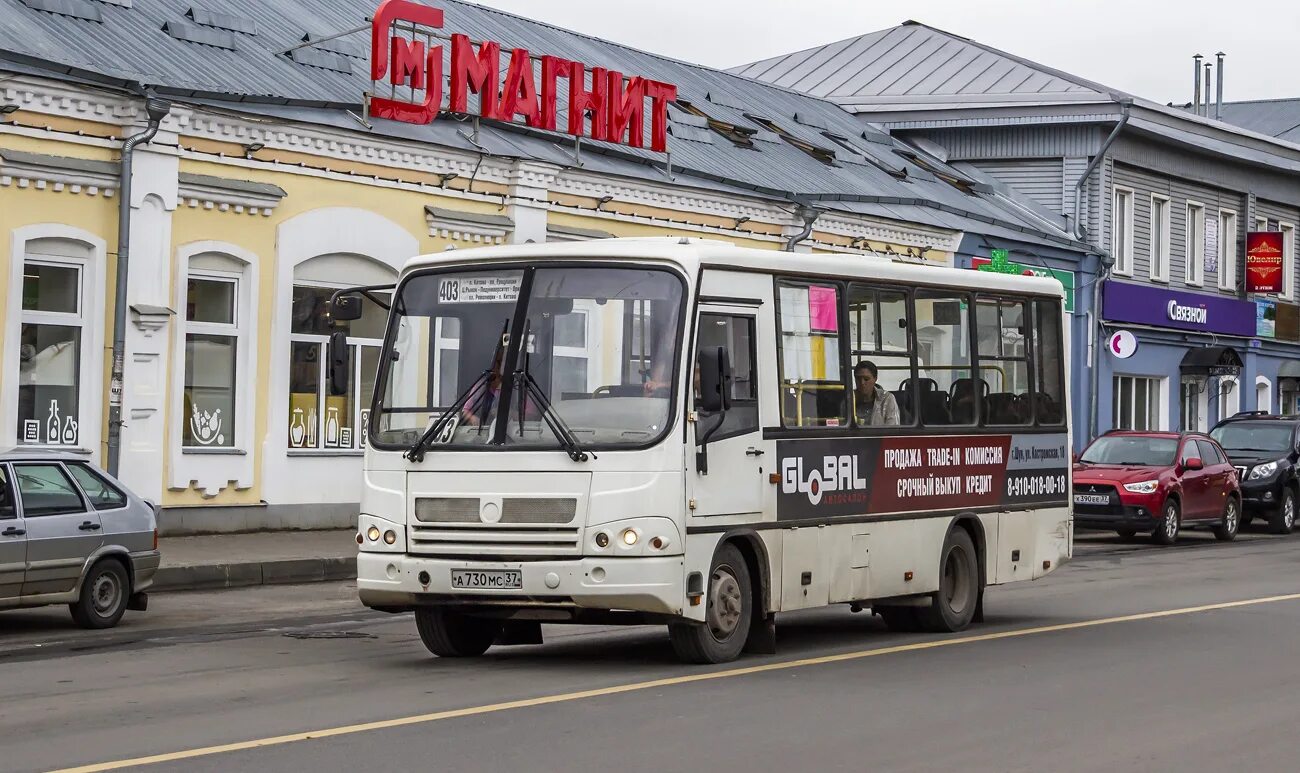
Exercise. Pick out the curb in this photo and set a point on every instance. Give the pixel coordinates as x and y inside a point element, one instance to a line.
<point>252,573</point>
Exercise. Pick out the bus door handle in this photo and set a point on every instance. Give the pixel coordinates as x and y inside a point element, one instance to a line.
<point>754,452</point>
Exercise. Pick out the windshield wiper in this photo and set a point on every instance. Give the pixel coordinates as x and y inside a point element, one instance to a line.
<point>527,387</point>
<point>416,452</point>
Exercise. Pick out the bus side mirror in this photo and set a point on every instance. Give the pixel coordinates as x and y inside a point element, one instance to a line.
<point>345,308</point>
<point>715,378</point>
<point>340,368</point>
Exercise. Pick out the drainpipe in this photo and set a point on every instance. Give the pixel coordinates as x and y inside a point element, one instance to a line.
<point>1126,106</point>
<point>1105,261</point>
<point>809,216</point>
<point>156,109</point>
<point>1218,87</point>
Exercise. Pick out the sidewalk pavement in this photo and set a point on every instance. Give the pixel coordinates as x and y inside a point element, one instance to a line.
<point>260,558</point>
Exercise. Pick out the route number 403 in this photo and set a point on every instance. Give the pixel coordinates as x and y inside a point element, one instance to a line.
<point>449,290</point>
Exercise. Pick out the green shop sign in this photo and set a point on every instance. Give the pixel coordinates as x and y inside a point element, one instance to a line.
<point>998,263</point>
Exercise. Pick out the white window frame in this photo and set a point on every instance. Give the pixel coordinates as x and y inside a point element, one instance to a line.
<point>1202,403</point>
<point>89,252</point>
<point>1229,396</point>
<point>210,469</point>
<point>1194,245</point>
<point>1122,252</point>
<point>1266,405</point>
<point>234,330</point>
<point>1261,223</point>
<point>360,409</point>
<point>1227,249</point>
<point>1160,261</point>
<point>74,319</point>
<point>1288,260</point>
<point>1156,393</point>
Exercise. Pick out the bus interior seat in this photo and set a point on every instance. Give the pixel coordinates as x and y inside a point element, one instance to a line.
<point>1004,408</point>
<point>903,397</point>
<point>620,390</point>
<point>933,403</point>
<point>1047,408</point>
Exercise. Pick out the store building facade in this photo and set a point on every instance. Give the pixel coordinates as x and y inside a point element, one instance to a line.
<point>247,211</point>
<point>1167,195</point>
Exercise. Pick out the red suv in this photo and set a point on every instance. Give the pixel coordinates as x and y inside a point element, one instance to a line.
<point>1157,482</point>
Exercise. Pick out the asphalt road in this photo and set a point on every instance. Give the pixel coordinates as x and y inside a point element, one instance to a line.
<point>1131,658</point>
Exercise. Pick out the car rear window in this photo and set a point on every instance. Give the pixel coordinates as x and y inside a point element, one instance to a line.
<point>46,490</point>
<point>1254,437</point>
<point>102,494</point>
<point>1131,450</point>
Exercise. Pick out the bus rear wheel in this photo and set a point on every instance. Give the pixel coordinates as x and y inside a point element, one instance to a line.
<point>450,635</point>
<point>727,616</point>
<point>953,606</point>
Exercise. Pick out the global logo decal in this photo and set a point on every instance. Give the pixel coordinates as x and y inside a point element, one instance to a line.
<point>830,475</point>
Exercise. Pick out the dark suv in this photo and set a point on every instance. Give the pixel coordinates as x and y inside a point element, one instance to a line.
<point>1264,449</point>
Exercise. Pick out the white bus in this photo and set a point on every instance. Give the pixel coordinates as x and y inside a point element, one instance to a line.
<point>685,432</point>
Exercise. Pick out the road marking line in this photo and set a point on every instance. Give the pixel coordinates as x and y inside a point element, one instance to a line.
<point>436,716</point>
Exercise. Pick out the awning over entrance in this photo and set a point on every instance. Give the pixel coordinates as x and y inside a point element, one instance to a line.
<point>1289,369</point>
<point>1211,361</point>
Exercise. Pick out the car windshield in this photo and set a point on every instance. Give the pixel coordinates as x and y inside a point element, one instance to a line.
<point>1131,450</point>
<point>1257,436</point>
<point>600,349</point>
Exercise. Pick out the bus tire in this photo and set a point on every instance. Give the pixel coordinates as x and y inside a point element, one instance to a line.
<point>727,616</point>
<point>952,607</point>
<point>449,635</point>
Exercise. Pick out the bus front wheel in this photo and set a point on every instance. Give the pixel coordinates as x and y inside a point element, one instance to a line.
<point>953,606</point>
<point>449,635</point>
<point>727,617</point>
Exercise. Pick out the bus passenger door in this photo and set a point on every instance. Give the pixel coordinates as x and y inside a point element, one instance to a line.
<point>730,470</point>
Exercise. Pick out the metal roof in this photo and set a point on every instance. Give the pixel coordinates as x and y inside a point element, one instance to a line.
<point>230,51</point>
<point>904,74</point>
<point>1275,117</point>
<point>914,63</point>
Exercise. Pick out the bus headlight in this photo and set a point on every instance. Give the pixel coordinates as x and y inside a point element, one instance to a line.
<point>378,535</point>
<point>629,537</point>
<point>602,540</point>
<point>649,535</point>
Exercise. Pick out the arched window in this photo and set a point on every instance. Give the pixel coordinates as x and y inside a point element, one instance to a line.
<point>54,339</point>
<point>318,420</point>
<point>215,376</point>
<point>1263,394</point>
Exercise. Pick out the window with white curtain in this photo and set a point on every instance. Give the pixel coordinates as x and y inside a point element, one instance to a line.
<point>1159,238</point>
<point>1121,232</point>
<point>1194,245</point>
<point>1227,249</point>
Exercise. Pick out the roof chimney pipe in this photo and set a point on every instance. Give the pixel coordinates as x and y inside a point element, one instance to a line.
<point>1218,87</point>
<point>1208,77</point>
<point>1196,83</point>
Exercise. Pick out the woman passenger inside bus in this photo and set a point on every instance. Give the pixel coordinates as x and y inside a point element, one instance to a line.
<point>872,405</point>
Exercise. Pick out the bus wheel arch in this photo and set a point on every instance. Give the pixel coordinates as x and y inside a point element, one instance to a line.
<point>729,598</point>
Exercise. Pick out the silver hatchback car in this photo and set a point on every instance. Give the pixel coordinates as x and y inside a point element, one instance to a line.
<point>71,534</point>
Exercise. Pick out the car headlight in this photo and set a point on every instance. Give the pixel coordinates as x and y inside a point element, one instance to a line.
<point>1145,487</point>
<point>1263,470</point>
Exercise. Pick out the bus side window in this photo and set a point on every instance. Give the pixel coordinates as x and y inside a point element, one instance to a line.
<point>812,371</point>
<point>878,338</point>
<point>1002,332</point>
<point>735,333</point>
<point>949,394</point>
<point>1049,398</point>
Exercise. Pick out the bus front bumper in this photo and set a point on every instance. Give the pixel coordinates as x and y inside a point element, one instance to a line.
<point>651,584</point>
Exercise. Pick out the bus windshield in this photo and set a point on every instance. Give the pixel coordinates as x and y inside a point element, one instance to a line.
<point>596,358</point>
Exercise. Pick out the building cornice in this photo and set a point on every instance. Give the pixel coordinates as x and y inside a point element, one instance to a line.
<point>58,173</point>
<point>467,226</point>
<point>226,195</point>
